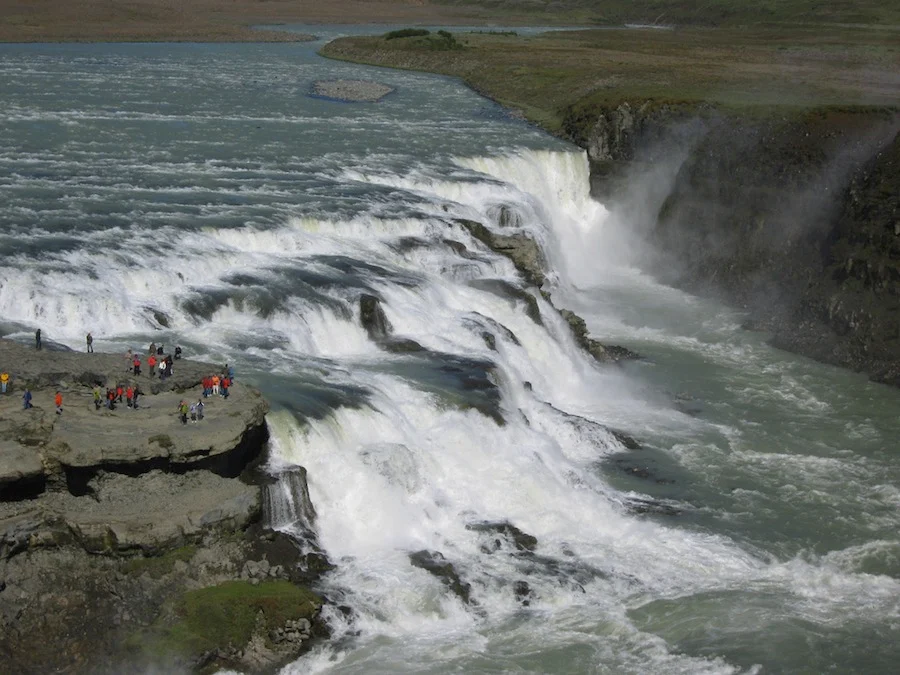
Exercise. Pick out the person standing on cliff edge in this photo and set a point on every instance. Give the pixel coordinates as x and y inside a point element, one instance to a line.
<point>90,343</point>
<point>37,339</point>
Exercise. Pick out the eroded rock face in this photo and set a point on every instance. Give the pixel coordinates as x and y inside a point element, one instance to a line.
<point>435,563</point>
<point>791,216</point>
<point>110,519</point>
<point>372,317</point>
<point>524,251</point>
<point>601,352</point>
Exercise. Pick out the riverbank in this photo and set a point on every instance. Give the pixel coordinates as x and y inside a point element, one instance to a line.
<point>756,164</point>
<point>114,524</point>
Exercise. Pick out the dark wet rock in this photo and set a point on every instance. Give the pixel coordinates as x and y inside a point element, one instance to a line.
<point>596,431</point>
<point>160,317</point>
<point>489,340</point>
<point>461,249</point>
<point>521,249</point>
<point>372,317</point>
<point>523,592</point>
<point>647,506</point>
<point>520,540</point>
<point>480,322</point>
<point>407,244</point>
<point>624,439</point>
<point>601,352</point>
<point>509,291</point>
<point>435,563</point>
<point>570,573</point>
<point>397,345</point>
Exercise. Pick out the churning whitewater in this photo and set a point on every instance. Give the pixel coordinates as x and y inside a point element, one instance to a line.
<point>754,530</point>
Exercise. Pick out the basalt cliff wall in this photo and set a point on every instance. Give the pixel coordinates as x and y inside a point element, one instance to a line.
<point>792,215</point>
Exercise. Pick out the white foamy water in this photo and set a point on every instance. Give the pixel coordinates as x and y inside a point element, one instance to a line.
<point>753,530</point>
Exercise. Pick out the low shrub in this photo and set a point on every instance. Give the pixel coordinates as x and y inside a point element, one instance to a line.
<point>406,33</point>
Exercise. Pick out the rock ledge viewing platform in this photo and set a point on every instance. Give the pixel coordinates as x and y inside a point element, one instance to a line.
<point>115,523</point>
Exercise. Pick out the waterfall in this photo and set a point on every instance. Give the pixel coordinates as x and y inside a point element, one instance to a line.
<point>286,502</point>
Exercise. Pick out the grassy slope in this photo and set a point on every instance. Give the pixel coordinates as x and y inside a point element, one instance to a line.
<point>693,12</point>
<point>797,66</point>
<point>228,20</point>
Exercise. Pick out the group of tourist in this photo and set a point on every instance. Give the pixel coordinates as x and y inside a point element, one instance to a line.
<point>218,385</point>
<point>131,393</point>
<point>195,410</point>
<point>213,385</point>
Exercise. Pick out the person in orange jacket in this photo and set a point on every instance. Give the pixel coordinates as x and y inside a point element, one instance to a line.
<point>151,363</point>
<point>58,401</point>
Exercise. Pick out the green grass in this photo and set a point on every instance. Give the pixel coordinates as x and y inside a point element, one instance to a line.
<point>686,12</point>
<point>225,615</point>
<point>551,75</point>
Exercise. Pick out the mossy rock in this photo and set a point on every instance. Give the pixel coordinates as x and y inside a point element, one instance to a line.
<point>158,566</point>
<point>221,619</point>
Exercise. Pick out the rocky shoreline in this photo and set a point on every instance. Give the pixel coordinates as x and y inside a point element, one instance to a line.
<point>117,527</point>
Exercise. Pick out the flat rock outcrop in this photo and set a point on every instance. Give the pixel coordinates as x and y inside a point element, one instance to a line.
<point>41,448</point>
<point>116,524</point>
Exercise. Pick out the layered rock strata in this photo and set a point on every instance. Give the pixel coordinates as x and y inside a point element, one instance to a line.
<point>116,524</point>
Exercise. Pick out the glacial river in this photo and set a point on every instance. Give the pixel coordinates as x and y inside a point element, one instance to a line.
<point>199,195</point>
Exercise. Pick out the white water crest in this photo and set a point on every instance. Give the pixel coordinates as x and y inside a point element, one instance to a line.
<point>418,475</point>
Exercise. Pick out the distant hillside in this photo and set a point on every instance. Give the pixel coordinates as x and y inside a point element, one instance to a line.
<point>697,12</point>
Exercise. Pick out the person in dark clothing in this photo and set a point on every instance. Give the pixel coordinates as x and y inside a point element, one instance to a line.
<point>137,392</point>
<point>160,350</point>
<point>177,353</point>
<point>26,399</point>
<point>90,343</point>
<point>37,339</point>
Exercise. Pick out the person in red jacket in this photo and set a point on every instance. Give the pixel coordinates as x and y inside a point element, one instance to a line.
<point>58,402</point>
<point>129,396</point>
<point>151,363</point>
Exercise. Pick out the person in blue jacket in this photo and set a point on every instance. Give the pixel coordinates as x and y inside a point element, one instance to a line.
<point>26,399</point>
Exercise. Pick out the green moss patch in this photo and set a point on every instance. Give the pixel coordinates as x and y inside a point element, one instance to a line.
<point>158,566</point>
<point>223,616</point>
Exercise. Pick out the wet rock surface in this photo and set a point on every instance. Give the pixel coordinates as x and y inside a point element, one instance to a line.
<point>435,563</point>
